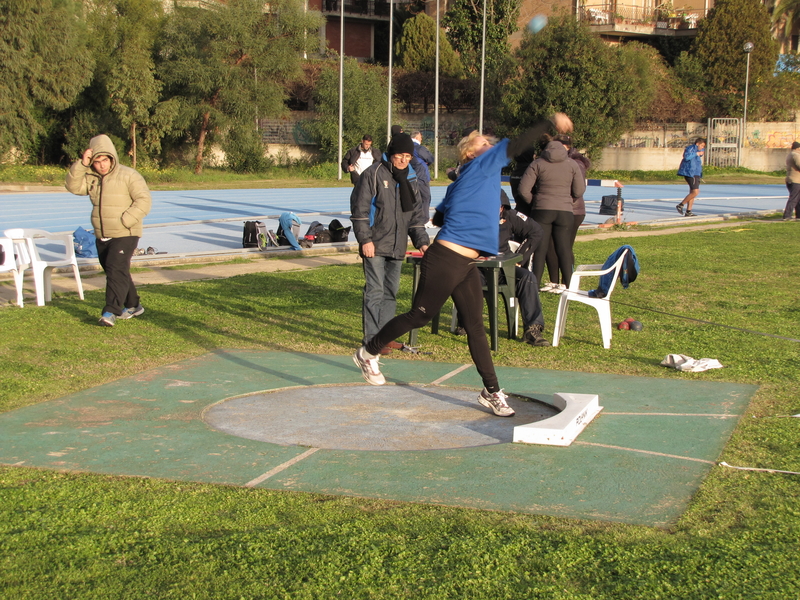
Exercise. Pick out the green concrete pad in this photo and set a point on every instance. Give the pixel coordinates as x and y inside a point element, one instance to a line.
<point>639,461</point>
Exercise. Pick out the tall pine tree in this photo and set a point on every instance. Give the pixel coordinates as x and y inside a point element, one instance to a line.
<point>719,52</point>
<point>45,65</point>
<point>416,48</point>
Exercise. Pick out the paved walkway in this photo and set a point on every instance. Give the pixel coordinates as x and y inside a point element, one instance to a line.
<point>155,269</point>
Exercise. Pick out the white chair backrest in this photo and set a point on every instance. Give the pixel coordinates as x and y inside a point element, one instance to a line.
<point>25,240</point>
<point>617,266</point>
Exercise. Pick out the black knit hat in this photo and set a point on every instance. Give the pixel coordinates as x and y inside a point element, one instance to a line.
<point>400,144</point>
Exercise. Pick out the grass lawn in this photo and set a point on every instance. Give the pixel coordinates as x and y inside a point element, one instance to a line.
<point>77,535</point>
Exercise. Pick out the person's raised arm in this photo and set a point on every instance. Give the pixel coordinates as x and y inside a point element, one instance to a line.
<point>559,121</point>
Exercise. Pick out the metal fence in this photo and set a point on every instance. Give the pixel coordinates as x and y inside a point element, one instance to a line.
<point>723,142</point>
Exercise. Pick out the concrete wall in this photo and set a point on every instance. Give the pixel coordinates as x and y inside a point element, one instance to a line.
<point>667,159</point>
<point>284,153</point>
<point>659,149</point>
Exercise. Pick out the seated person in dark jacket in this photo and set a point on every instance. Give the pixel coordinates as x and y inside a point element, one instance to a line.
<point>516,227</point>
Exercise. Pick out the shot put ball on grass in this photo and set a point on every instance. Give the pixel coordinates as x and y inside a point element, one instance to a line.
<point>537,23</point>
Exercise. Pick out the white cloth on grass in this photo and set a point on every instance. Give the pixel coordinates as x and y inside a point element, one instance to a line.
<point>681,362</point>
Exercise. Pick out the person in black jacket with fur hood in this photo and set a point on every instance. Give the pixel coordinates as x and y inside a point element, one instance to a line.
<point>516,227</point>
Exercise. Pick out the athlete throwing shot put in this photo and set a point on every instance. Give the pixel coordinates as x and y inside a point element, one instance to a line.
<point>449,268</point>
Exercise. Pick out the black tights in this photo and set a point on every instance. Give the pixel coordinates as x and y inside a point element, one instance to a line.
<point>558,225</point>
<point>445,273</point>
<point>552,257</point>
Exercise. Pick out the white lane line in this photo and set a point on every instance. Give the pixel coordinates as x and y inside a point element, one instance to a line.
<point>451,374</point>
<point>701,460</point>
<point>724,464</point>
<point>640,414</point>
<point>280,468</point>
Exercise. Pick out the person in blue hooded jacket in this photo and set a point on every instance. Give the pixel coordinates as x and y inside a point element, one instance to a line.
<point>692,170</point>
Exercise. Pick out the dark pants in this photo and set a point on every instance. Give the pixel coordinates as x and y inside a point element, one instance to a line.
<point>552,257</point>
<point>425,195</point>
<point>527,293</point>
<point>115,258</point>
<point>444,273</point>
<point>558,225</point>
<point>381,283</point>
<point>793,204</point>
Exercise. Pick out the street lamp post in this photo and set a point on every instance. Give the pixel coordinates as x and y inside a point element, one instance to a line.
<point>748,48</point>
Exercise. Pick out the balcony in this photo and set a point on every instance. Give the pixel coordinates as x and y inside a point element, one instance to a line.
<point>636,21</point>
<point>368,9</point>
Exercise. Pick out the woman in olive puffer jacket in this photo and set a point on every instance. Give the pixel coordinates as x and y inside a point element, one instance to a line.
<point>120,201</point>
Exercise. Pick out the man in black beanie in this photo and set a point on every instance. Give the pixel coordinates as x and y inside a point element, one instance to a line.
<point>385,210</point>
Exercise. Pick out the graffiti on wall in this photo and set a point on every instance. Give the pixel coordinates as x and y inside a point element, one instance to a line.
<point>771,136</point>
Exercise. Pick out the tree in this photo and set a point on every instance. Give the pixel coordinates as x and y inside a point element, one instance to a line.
<point>45,66</point>
<point>778,98</point>
<point>786,17</point>
<point>464,25</point>
<point>123,34</point>
<point>672,101</point>
<point>229,64</point>
<point>366,89</point>
<point>718,48</point>
<point>567,68</point>
<point>416,48</point>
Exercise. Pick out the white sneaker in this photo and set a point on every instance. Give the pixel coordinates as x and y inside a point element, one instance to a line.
<point>497,402</point>
<point>547,287</point>
<point>558,289</point>
<point>369,367</point>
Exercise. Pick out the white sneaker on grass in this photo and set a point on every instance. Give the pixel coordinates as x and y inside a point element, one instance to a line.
<point>369,367</point>
<point>497,402</point>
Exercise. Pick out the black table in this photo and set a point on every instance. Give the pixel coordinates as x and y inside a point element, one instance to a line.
<point>491,268</point>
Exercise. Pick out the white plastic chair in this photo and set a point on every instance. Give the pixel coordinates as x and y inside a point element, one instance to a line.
<point>28,252</point>
<point>11,264</point>
<point>602,305</point>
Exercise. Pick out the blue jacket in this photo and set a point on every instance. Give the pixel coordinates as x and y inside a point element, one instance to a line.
<point>471,203</point>
<point>628,273</point>
<point>422,158</point>
<point>692,164</point>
